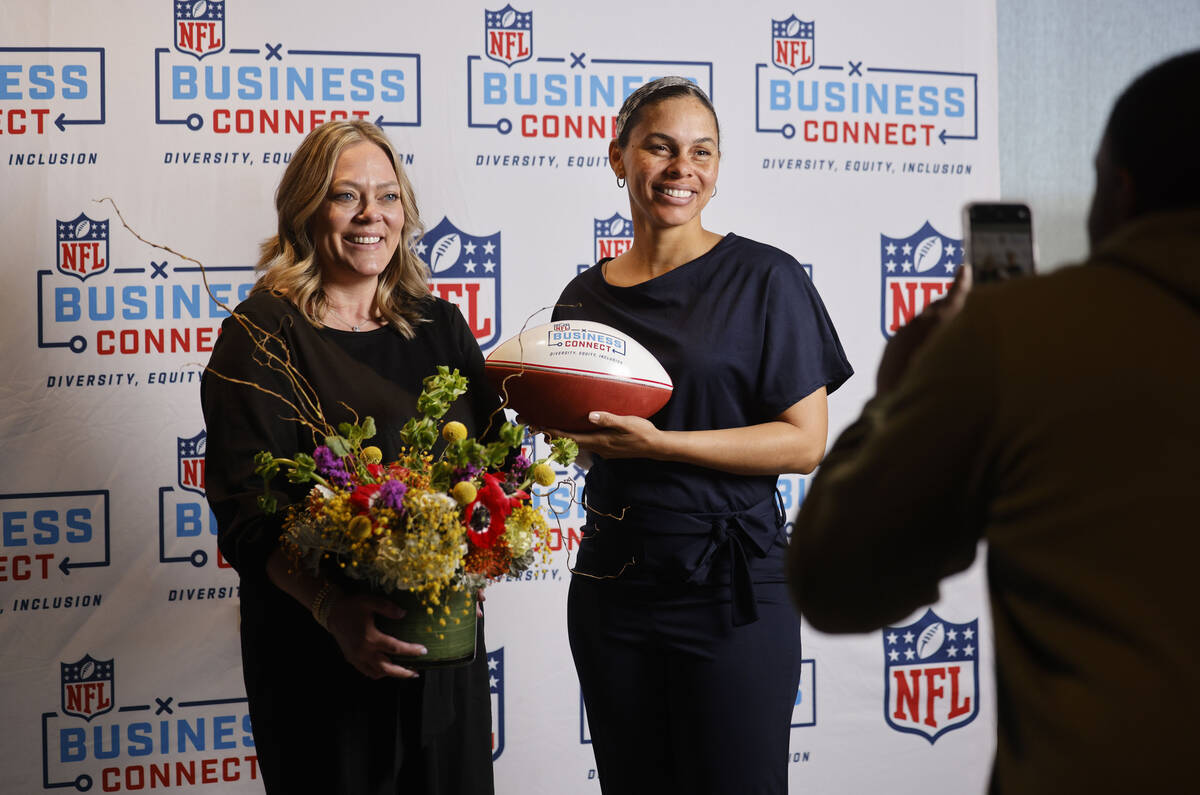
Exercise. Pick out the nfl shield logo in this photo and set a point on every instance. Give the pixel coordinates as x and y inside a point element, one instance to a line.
<point>87,687</point>
<point>931,676</point>
<point>465,270</point>
<point>199,26</point>
<point>82,246</point>
<point>495,661</point>
<point>613,236</point>
<point>508,35</point>
<point>916,270</point>
<point>191,462</point>
<point>792,43</point>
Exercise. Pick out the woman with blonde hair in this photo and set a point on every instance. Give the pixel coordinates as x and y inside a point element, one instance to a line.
<point>345,299</point>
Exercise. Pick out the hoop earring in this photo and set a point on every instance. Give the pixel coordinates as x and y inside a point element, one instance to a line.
<point>620,182</point>
<point>713,195</point>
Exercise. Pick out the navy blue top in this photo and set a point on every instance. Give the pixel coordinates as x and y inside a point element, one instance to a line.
<point>743,334</point>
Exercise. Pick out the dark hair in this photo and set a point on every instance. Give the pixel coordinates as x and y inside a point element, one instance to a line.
<point>1154,133</point>
<point>656,91</point>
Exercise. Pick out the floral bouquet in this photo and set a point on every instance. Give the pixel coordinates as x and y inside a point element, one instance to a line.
<point>426,531</point>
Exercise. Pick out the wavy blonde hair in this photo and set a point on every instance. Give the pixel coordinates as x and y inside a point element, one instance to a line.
<point>286,263</point>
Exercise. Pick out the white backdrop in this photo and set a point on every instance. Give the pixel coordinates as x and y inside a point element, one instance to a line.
<point>850,138</point>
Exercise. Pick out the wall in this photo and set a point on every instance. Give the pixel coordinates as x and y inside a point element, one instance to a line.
<point>1062,65</point>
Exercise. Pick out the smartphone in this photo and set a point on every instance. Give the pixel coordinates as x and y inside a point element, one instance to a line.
<point>998,240</point>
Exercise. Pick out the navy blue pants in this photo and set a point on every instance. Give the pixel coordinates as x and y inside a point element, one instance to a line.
<point>678,699</point>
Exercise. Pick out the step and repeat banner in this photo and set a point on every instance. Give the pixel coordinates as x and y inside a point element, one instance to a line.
<point>851,136</point>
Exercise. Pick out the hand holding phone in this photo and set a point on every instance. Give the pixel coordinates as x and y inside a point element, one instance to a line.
<point>999,240</point>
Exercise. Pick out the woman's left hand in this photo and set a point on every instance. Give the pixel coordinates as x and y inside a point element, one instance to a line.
<point>616,436</point>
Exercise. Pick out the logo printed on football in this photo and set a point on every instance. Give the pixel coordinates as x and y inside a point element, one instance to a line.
<point>555,374</point>
<point>930,640</point>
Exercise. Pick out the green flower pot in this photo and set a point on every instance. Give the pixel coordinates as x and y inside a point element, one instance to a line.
<point>449,637</point>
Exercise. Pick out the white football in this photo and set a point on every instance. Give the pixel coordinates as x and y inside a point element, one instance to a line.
<point>793,27</point>
<point>198,8</point>
<point>616,227</point>
<point>201,446</point>
<point>928,253</point>
<point>82,228</point>
<point>554,374</point>
<point>86,670</point>
<point>508,18</point>
<point>445,253</point>
<point>930,640</point>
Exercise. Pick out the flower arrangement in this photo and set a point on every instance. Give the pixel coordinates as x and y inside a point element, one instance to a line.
<point>431,526</point>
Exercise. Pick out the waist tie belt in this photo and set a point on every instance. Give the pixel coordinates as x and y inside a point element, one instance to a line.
<point>684,547</point>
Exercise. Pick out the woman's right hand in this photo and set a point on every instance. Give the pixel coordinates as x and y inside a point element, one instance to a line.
<point>352,623</point>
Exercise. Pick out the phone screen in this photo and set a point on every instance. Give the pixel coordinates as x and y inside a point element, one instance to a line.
<point>1000,241</point>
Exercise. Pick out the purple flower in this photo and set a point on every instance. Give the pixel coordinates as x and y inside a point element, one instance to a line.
<point>325,459</point>
<point>331,466</point>
<point>469,472</point>
<point>391,495</point>
<point>520,465</point>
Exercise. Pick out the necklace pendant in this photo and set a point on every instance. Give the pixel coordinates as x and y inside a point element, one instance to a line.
<point>354,328</point>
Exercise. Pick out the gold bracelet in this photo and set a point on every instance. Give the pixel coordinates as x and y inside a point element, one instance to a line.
<point>321,604</point>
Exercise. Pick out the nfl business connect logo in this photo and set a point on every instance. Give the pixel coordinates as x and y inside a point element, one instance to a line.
<point>129,309</point>
<point>565,95</point>
<point>465,270</point>
<point>931,675</point>
<point>174,743</point>
<point>273,89</point>
<point>915,271</point>
<point>847,101</point>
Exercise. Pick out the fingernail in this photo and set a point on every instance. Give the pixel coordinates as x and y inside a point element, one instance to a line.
<point>594,416</point>
<point>423,650</point>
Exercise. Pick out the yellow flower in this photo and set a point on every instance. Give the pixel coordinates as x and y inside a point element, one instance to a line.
<point>524,528</point>
<point>372,455</point>
<point>454,431</point>
<point>464,492</point>
<point>359,528</point>
<point>543,474</point>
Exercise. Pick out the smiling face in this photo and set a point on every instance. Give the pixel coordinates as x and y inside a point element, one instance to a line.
<point>357,227</point>
<point>670,163</point>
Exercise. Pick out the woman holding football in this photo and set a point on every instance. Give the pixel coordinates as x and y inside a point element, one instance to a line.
<point>687,649</point>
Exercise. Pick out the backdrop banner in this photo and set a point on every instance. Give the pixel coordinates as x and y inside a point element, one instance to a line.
<point>851,135</point>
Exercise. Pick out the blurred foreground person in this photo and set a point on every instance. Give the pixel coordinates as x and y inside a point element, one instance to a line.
<point>1057,418</point>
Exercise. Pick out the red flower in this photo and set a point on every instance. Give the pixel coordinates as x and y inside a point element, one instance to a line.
<point>499,505</point>
<point>361,496</point>
<point>376,471</point>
